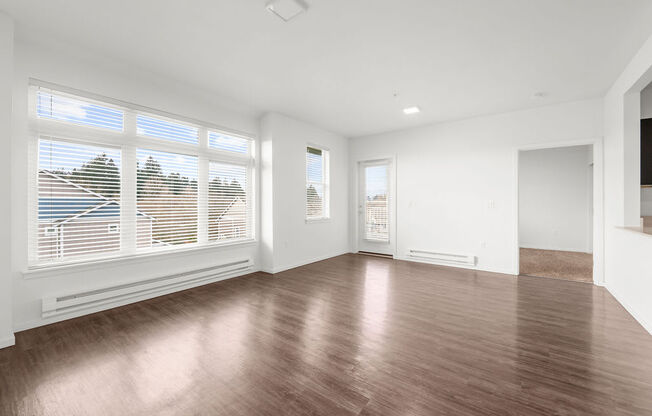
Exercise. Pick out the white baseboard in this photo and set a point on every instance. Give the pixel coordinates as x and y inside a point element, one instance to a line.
<point>646,325</point>
<point>7,341</point>
<point>304,262</point>
<point>457,266</point>
<point>22,326</point>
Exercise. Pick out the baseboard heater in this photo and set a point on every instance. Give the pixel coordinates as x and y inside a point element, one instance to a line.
<point>448,258</point>
<point>72,302</point>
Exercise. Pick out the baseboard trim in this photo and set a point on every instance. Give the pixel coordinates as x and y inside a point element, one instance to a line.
<point>8,341</point>
<point>646,325</point>
<point>455,265</point>
<point>23,326</point>
<point>305,262</point>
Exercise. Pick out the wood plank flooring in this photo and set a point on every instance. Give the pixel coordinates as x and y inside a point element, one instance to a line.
<point>352,335</point>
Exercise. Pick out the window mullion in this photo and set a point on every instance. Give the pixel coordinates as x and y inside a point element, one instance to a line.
<point>128,202</point>
<point>202,190</point>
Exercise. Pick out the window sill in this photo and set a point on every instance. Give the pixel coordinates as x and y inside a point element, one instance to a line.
<point>322,219</point>
<point>76,266</point>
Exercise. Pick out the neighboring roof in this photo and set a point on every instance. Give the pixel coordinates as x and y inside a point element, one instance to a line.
<point>95,205</point>
<point>236,199</point>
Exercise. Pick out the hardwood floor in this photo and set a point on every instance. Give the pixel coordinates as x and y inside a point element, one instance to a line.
<point>352,335</point>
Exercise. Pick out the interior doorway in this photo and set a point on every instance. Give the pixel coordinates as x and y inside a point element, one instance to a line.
<point>555,230</point>
<point>376,207</point>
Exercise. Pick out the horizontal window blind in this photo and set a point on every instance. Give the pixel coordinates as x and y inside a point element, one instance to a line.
<point>228,204</point>
<point>228,143</point>
<point>316,183</point>
<point>103,187</point>
<point>78,200</point>
<point>65,108</point>
<point>167,130</point>
<point>167,193</point>
<point>376,203</point>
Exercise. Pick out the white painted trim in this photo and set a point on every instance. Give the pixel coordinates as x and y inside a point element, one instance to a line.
<point>646,325</point>
<point>456,266</point>
<point>116,261</point>
<point>7,341</point>
<point>138,298</point>
<point>304,262</point>
<point>393,179</point>
<point>598,200</point>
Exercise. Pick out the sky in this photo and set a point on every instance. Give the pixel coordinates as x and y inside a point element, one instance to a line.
<point>376,180</point>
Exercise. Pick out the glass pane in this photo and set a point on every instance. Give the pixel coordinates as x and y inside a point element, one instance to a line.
<point>167,130</point>
<point>221,141</point>
<point>78,200</point>
<point>227,202</point>
<point>376,204</point>
<point>314,200</point>
<point>314,167</point>
<point>64,108</point>
<point>167,193</point>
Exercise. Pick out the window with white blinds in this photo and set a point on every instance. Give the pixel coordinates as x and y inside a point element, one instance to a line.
<point>109,180</point>
<point>78,199</point>
<point>228,205</point>
<point>167,192</point>
<point>317,191</point>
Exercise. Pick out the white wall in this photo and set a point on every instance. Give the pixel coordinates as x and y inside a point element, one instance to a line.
<point>456,181</point>
<point>627,252</point>
<point>72,69</point>
<point>288,241</point>
<point>6,77</point>
<point>554,195</point>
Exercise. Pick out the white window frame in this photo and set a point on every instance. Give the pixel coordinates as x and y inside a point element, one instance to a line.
<point>129,141</point>
<point>326,212</point>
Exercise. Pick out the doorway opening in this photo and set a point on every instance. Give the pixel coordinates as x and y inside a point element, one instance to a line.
<point>555,224</point>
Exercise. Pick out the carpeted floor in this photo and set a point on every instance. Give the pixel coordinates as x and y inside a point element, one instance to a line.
<point>568,265</point>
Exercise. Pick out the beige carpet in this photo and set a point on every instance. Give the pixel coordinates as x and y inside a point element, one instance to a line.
<point>568,265</point>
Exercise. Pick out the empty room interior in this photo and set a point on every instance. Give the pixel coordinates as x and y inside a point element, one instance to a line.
<point>312,207</point>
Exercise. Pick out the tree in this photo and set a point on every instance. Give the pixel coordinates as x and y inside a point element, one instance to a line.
<point>314,201</point>
<point>99,175</point>
<point>150,178</point>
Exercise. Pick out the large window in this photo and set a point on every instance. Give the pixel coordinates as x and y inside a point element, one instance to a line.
<point>317,191</point>
<point>109,180</point>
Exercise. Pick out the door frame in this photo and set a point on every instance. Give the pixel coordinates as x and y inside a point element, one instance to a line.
<point>392,202</point>
<point>598,202</point>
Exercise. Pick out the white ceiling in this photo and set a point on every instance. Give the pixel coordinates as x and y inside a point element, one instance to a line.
<point>339,64</point>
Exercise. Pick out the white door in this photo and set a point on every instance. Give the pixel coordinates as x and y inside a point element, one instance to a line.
<point>375,207</point>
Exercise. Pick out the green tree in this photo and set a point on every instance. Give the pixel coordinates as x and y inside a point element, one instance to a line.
<point>100,175</point>
<point>150,179</point>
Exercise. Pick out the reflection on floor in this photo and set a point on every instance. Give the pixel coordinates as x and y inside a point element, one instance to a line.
<point>568,265</point>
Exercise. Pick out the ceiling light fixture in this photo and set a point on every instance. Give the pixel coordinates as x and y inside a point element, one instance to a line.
<point>411,110</point>
<point>287,10</point>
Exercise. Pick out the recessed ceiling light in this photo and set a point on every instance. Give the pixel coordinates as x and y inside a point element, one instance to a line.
<point>411,110</point>
<point>287,10</point>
